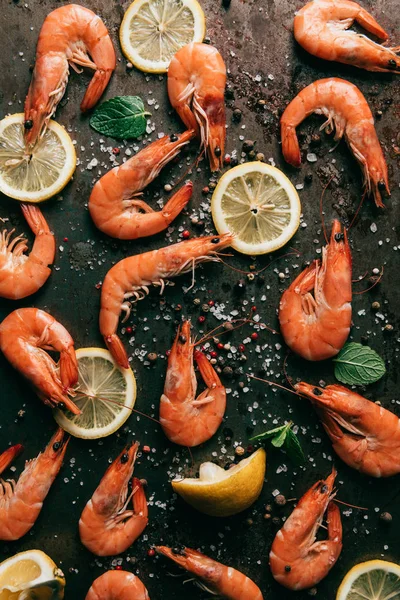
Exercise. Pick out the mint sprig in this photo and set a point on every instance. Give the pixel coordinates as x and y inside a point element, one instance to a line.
<point>284,437</point>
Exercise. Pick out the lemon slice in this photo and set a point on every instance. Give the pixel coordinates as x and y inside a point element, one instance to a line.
<point>371,580</point>
<point>31,575</point>
<point>258,204</point>
<point>41,173</point>
<point>105,393</point>
<point>221,493</point>
<point>152,31</point>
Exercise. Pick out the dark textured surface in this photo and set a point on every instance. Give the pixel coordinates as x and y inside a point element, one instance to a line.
<point>255,38</point>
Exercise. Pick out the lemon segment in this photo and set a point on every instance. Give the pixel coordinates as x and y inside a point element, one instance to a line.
<point>31,574</point>
<point>221,493</point>
<point>371,580</point>
<point>259,205</point>
<point>152,31</point>
<point>105,393</point>
<point>38,174</point>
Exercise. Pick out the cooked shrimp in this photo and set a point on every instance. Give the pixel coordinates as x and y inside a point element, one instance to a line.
<point>185,419</point>
<point>365,435</point>
<point>196,90</point>
<point>114,205</point>
<point>7,457</point>
<point>317,327</point>
<point>132,276</point>
<point>24,336</point>
<point>74,36</point>
<point>20,274</point>
<point>213,576</point>
<point>322,28</point>
<point>22,501</point>
<point>296,559</point>
<point>349,115</point>
<point>107,526</point>
<point>117,585</point>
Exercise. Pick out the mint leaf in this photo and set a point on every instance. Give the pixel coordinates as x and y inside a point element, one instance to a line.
<point>293,448</point>
<point>284,437</point>
<point>122,117</point>
<point>358,365</point>
<point>279,440</point>
<point>268,434</point>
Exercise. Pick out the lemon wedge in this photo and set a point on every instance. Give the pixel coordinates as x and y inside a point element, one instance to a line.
<point>259,205</point>
<point>105,393</point>
<point>42,172</point>
<point>152,31</point>
<point>221,493</point>
<point>31,575</point>
<point>371,580</point>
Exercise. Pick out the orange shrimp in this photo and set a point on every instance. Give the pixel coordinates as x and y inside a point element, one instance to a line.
<point>322,28</point>
<point>185,419</point>
<point>196,90</point>
<point>117,585</point>
<point>365,435</point>
<point>132,276</point>
<point>22,501</point>
<point>316,327</point>
<point>114,205</point>
<point>296,559</point>
<point>24,336</point>
<point>74,36</point>
<point>107,526</point>
<point>347,113</point>
<point>7,457</point>
<point>212,576</point>
<point>22,275</point>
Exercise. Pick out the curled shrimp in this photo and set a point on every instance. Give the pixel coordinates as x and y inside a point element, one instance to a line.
<point>196,90</point>
<point>296,559</point>
<point>22,501</point>
<point>185,419</point>
<point>20,274</point>
<point>349,115</point>
<point>365,435</point>
<point>131,277</point>
<point>74,36</point>
<point>212,576</point>
<point>25,334</point>
<point>322,28</point>
<point>114,203</point>
<point>7,457</point>
<point>117,585</point>
<point>107,526</point>
<point>316,327</point>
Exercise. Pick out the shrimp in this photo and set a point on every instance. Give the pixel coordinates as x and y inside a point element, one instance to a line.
<point>322,28</point>
<point>22,501</point>
<point>296,559</point>
<point>316,327</point>
<point>25,334</point>
<point>70,36</point>
<point>7,457</point>
<point>22,275</point>
<point>107,526</point>
<point>213,576</point>
<point>196,90</point>
<point>365,435</point>
<point>114,205</point>
<point>185,419</point>
<point>132,276</point>
<point>117,585</point>
<point>347,113</point>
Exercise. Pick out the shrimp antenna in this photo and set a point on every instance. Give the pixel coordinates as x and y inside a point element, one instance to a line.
<point>275,384</point>
<point>360,278</point>
<point>321,212</point>
<point>351,505</point>
<point>358,210</point>
<point>373,285</point>
<point>288,379</point>
<point>189,169</point>
<point>210,333</point>
<point>293,253</point>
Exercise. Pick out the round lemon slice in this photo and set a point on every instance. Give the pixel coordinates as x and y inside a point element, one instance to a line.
<point>42,172</point>
<point>152,31</point>
<point>221,493</point>
<point>258,204</point>
<point>371,580</point>
<point>31,574</point>
<point>105,393</point>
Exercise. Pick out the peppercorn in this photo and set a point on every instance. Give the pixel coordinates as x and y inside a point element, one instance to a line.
<point>261,102</point>
<point>267,516</point>
<point>241,348</point>
<point>388,327</point>
<point>239,450</point>
<point>205,190</point>
<point>268,507</point>
<point>312,591</point>
<point>118,568</point>
<point>375,306</point>
<point>167,187</point>
<point>280,500</point>
<point>227,371</point>
<point>152,356</point>
<point>186,234</point>
<point>212,185</point>
<point>254,336</point>
<point>386,517</point>
<point>276,520</point>
<point>248,145</point>
<point>237,115</point>
<point>249,522</point>
<point>234,161</point>
<point>220,346</point>
<point>116,151</point>
<point>205,308</point>
<point>253,308</point>
<point>151,552</point>
<point>228,326</point>
<point>260,156</point>
<point>211,303</point>
<point>200,224</point>
<point>196,301</point>
<point>128,330</point>
<point>213,354</point>
<point>229,93</point>
<point>315,139</point>
<point>201,319</point>
<point>379,114</point>
<point>227,159</point>
<point>146,449</point>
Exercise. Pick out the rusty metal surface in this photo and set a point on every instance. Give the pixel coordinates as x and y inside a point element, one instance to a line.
<point>255,38</point>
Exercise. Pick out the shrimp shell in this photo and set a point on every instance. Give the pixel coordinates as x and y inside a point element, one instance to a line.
<point>117,585</point>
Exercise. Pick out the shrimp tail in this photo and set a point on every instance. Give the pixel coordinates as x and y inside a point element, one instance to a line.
<point>9,455</point>
<point>334,522</point>
<point>290,145</point>
<point>177,203</point>
<point>139,500</point>
<point>117,350</point>
<point>35,219</point>
<point>96,88</point>
<point>68,368</point>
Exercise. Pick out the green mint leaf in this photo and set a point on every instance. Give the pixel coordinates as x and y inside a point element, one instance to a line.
<point>358,365</point>
<point>279,439</point>
<point>272,433</point>
<point>122,117</point>
<point>293,448</point>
